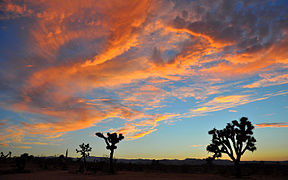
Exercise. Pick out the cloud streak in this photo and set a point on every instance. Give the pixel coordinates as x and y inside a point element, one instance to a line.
<point>269,81</point>
<point>271,125</point>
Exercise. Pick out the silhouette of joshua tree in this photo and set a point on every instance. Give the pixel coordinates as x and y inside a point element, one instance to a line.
<point>3,157</point>
<point>6,156</point>
<point>233,140</point>
<point>111,140</point>
<point>84,151</point>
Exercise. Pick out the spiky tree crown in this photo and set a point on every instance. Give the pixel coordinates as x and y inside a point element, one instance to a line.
<point>84,150</point>
<point>111,139</point>
<point>235,138</point>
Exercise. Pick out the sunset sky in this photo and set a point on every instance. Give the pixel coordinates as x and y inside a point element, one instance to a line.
<point>163,73</point>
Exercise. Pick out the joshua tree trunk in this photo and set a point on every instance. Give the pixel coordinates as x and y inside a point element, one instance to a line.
<point>237,168</point>
<point>84,158</point>
<point>111,161</point>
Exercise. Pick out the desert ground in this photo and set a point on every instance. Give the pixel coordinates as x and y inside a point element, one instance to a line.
<point>124,175</point>
<point>59,168</point>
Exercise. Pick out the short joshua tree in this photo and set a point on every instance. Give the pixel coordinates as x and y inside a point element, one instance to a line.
<point>84,151</point>
<point>234,140</point>
<point>111,140</point>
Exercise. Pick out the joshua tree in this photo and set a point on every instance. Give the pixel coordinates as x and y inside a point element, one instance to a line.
<point>233,140</point>
<point>6,156</point>
<point>111,140</point>
<point>85,149</point>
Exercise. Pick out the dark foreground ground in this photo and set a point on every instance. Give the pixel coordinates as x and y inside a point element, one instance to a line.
<point>123,175</point>
<point>59,168</point>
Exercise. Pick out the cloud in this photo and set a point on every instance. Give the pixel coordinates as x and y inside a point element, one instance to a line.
<point>2,144</point>
<point>245,47</point>
<point>197,145</point>
<point>232,110</point>
<point>222,102</point>
<point>269,81</point>
<point>271,125</point>
<point>134,130</point>
<point>23,147</point>
<point>225,102</point>
<point>228,99</point>
<point>141,134</point>
<point>13,10</point>
<point>48,93</point>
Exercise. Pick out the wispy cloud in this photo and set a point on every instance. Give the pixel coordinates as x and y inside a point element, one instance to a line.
<point>225,102</point>
<point>134,130</point>
<point>197,145</point>
<point>5,145</point>
<point>269,81</point>
<point>271,125</point>
<point>231,110</point>
<point>221,102</point>
<point>23,147</point>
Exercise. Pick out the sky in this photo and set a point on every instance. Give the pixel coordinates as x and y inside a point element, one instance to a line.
<point>163,73</point>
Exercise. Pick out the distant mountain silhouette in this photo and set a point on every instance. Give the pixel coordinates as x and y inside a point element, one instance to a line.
<point>188,161</point>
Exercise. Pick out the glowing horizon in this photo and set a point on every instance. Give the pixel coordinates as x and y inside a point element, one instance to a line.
<point>163,73</point>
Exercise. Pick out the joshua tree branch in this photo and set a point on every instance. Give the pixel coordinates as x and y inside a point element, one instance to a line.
<point>234,144</point>
<point>106,141</point>
<point>229,146</point>
<point>244,149</point>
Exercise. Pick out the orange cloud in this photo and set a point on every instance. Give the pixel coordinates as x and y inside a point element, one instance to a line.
<point>249,63</point>
<point>232,110</point>
<point>220,103</point>
<point>200,109</point>
<point>139,129</point>
<point>234,70</point>
<point>61,120</point>
<point>2,144</point>
<point>211,41</point>
<point>23,147</point>
<point>272,125</point>
<point>13,10</point>
<point>228,99</point>
<point>141,134</point>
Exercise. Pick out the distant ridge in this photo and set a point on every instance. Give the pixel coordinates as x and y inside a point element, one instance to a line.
<point>187,161</point>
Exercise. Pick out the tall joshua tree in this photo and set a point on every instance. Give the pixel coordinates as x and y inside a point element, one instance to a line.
<point>84,151</point>
<point>234,140</point>
<point>111,140</point>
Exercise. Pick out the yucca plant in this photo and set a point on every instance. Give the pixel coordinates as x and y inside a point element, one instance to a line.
<point>234,140</point>
<point>111,140</point>
<point>84,151</point>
